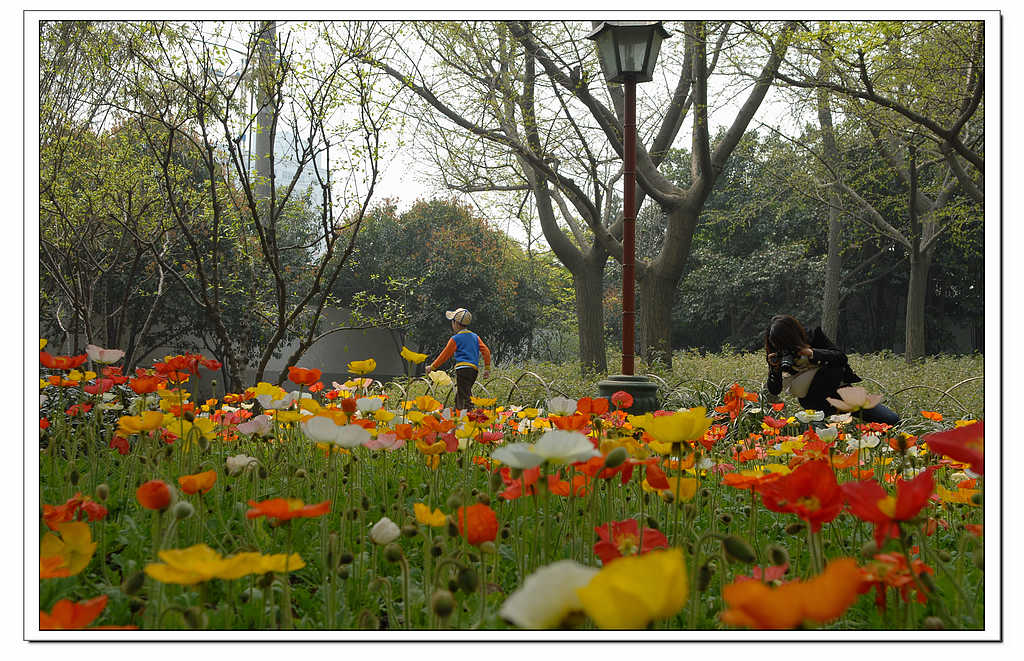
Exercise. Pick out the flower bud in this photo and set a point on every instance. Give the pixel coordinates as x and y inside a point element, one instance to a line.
<point>133,583</point>
<point>135,604</point>
<point>868,549</point>
<point>392,552</point>
<point>689,511</point>
<point>384,532</point>
<point>343,571</point>
<point>616,457</point>
<point>410,530</point>
<point>725,518</point>
<point>262,472</point>
<point>453,529</point>
<point>668,496</point>
<point>204,443</point>
<point>301,474</point>
<point>933,623</point>
<point>182,510</point>
<point>652,523</point>
<point>484,499</point>
<point>944,556</point>
<point>778,554</point>
<point>737,548</point>
<point>795,528</point>
<point>976,499</point>
<point>103,491</point>
<point>73,477</point>
<point>365,504</point>
<point>488,547</point>
<point>266,580</point>
<point>436,550</point>
<point>468,580</point>
<point>454,501</point>
<point>704,576</point>
<point>345,557</point>
<point>442,602</point>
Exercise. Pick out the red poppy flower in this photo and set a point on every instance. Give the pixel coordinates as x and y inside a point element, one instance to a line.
<point>69,615</point>
<point>61,362</point>
<point>78,409</point>
<point>302,376</point>
<point>523,486</point>
<point>622,399</point>
<point>154,495</point>
<point>811,492</point>
<point>348,405</point>
<point>577,487</point>
<point>622,538</point>
<point>55,514</point>
<point>477,523</point>
<point>316,387</point>
<point>120,444</point>
<point>210,364</point>
<point>592,406</point>
<point>44,423</point>
<point>869,502</point>
<point>965,444</point>
<point>201,482</point>
<point>99,387</point>
<point>889,570</point>
<point>285,509</point>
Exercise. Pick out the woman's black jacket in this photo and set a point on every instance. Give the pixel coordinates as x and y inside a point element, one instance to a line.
<point>834,371</point>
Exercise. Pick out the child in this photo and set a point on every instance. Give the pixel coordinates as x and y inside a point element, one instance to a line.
<point>467,348</point>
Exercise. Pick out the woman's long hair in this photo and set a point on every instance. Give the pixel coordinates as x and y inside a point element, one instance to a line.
<point>785,334</point>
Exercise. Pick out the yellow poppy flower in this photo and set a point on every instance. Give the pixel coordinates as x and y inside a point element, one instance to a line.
<point>136,424</point>
<point>412,356</point>
<point>362,366</point>
<point>483,402</point>
<point>383,415</point>
<point>201,563</point>
<point>434,519</point>
<point>74,546</point>
<point>42,344</point>
<point>961,496</point>
<point>633,591</point>
<point>682,488</point>
<point>426,403</point>
<point>686,425</point>
<point>415,417</point>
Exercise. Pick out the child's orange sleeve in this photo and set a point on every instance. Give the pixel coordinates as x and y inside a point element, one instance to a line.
<point>485,352</point>
<point>448,352</point>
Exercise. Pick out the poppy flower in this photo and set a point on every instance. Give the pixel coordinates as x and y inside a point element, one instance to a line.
<point>477,523</point>
<point>592,405</point>
<point>575,422</point>
<point>412,356</point>
<point>622,399</point>
<point>932,415</point>
<point>154,495</point>
<point>285,509</point>
<point>734,401</point>
<point>869,502</point>
<point>66,553</point>
<point>142,385</point>
<point>622,538</point>
<point>303,377</point>
<point>965,444</point>
<point>424,515</point>
<point>853,398</point>
<point>384,532</point>
<point>361,367</point>
<point>548,596</point>
<point>674,427</point>
<point>56,514</point>
<point>61,362</point>
<point>105,356</point>
<point>562,406</point>
<point>811,492</point>
<point>635,590</point>
<point>69,615</point>
<point>890,570</point>
<point>200,563</point>
<point>201,482</point>
<point>827,596</point>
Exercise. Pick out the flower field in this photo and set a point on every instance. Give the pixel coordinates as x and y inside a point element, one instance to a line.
<point>362,505</point>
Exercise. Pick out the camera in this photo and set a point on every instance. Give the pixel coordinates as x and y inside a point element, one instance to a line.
<point>787,362</point>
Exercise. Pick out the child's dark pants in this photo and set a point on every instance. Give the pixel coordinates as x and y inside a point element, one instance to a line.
<point>465,377</point>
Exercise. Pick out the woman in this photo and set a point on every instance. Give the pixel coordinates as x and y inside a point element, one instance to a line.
<point>812,369</point>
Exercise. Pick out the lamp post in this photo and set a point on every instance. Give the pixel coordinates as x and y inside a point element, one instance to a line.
<point>628,51</point>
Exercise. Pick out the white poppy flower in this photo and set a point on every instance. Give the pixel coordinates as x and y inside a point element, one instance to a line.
<point>561,405</point>
<point>547,596</point>
<point>865,442</point>
<point>705,463</point>
<point>841,418</point>
<point>349,436</point>
<point>827,434</point>
<point>810,416</point>
<point>384,532</point>
<point>558,446</point>
<point>259,424</point>
<point>369,404</point>
<point>104,356</point>
<point>518,455</point>
<point>239,463</point>
<point>853,398</point>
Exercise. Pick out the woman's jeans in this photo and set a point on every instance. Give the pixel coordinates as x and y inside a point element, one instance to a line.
<point>878,413</point>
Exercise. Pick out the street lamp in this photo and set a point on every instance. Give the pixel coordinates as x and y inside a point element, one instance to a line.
<point>628,51</point>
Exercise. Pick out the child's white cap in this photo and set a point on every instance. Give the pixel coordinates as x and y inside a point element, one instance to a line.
<point>461,315</point>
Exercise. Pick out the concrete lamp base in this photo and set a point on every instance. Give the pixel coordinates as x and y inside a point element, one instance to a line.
<point>643,390</point>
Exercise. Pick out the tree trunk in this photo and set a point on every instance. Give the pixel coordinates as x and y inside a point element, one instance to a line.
<point>917,290</point>
<point>589,285</point>
<point>262,143</point>
<point>833,273</point>
<point>654,304</point>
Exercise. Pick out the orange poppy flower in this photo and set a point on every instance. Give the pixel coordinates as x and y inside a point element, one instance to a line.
<point>822,599</point>
<point>154,495</point>
<point>55,514</point>
<point>61,362</point>
<point>592,406</point>
<point>67,614</point>
<point>811,492</point>
<point>734,401</point>
<point>201,482</point>
<point>146,384</point>
<point>932,415</point>
<point>302,376</point>
<point>558,487</point>
<point>574,422</point>
<point>477,523</point>
<point>285,509</point>
<point>889,570</point>
<point>60,382</point>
